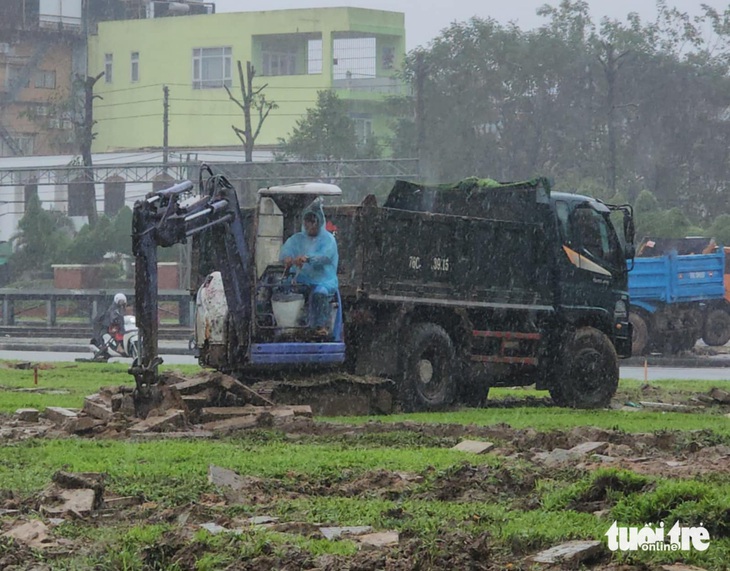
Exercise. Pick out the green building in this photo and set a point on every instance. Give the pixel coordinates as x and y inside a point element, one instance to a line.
<point>355,52</point>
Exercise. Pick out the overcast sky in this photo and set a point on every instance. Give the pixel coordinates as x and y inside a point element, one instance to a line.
<point>426,18</point>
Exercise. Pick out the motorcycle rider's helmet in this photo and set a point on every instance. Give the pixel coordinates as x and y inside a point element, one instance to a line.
<point>120,299</point>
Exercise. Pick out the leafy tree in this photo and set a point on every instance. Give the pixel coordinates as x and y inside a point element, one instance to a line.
<point>720,229</point>
<point>108,235</point>
<point>327,133</point>
<point>42,236</point>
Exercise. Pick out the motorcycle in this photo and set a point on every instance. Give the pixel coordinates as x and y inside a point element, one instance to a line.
<point>115,343</point>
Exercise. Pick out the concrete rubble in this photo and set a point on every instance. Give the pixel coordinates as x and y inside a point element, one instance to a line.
<point>570,553</point>
<point>188,408</point>
<point>474,446</point>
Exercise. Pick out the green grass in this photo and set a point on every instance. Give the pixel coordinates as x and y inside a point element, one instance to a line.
<point>152,468</point>
<point>522,507</point>
<point>78,379</point>
<point>82,379</point>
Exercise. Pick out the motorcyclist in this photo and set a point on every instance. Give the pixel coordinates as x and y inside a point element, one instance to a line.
<point>111,320</point>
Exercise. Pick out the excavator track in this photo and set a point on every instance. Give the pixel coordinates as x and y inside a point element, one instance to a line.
<point>328,394</point>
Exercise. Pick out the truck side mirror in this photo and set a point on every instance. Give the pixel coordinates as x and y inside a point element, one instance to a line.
<point>629,251</point>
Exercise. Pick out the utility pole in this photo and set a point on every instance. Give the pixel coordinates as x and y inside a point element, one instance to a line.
<point>420,72</point>
<point>165,123</point>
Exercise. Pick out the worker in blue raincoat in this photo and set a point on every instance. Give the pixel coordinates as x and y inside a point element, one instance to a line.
<point>314,252</point>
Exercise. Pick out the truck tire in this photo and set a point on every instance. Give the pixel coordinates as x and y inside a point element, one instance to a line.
<point>640,333</point>
<point>716,332</point>
<point>428,369</point>
<point>589,375</point>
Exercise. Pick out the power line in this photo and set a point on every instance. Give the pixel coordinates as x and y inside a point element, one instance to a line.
<point>125,103</point>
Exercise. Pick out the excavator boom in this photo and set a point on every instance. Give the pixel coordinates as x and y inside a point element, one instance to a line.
<point>163,219</point>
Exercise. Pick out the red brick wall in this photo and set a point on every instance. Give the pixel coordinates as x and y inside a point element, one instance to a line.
<point>76,276</point>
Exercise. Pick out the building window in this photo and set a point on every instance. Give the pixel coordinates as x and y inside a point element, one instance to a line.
<point>29,190</point>
<point>363,128</point>
<point>14,77</point>
<point>135,66</point>
<point>23,143</point>
<point>281,61</point>
<point>45,80</point>
<point>211,68</point>
<point>113,196</point>
<point>108,67</point>
<point>77,193</point>
<point>388,59</point>
<point>314,56</point>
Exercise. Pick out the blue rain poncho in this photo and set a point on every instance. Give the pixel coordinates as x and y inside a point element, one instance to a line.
<point>321,269</point>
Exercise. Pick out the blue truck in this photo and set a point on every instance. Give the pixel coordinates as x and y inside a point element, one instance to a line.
<point>678,295</point>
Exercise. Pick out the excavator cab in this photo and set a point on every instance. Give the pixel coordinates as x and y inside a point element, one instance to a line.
<point>279,330</point>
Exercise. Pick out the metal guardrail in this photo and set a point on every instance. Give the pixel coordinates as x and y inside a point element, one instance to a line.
<point>98,300</point>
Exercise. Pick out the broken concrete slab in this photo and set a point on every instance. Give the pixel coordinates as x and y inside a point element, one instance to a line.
<point>224,478</point>
<point>234,424</point>
<point>123,403</point>
<point>59,415</point>
<point>665,406</point>
<point>171,419</point>
<point>79,502</point>
<point>174,435</point>
<point>379,539</point>
<point>337,532</point>
<point>555,457</point>
<point>95,406</point>
<point>473,446</point>
<point>586,448</point>
<point>82,424</point>
<point>78,480</point>
<point>570,552</point>
<point>681,567</point>
<point>261,520</point>
<point>192,386</point>
<point>720,395</point>
<point>214,529</point>
<point>33,533</point>
<point>122,502</point>
<point>27,414</point>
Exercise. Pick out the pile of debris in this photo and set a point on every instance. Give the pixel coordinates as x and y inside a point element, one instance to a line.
<point>207,405</point>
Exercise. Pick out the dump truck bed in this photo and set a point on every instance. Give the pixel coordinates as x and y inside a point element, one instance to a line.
<point>479,247</point>
<point>672,278</point>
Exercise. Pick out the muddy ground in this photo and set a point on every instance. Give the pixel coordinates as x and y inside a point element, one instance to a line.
<point>528,456</point>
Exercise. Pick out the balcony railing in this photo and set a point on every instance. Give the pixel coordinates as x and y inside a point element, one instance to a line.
<point>381,85</point>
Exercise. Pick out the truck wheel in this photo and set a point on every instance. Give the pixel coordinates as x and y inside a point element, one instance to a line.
<point>640,333</point>
<point>717,328</point>
<point>589,376</point>
<point>428,369</point>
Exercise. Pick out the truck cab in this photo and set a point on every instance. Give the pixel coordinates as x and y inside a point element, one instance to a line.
<point>593,272</point>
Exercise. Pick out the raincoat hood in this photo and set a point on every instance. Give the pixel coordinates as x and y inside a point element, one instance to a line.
<point>315,208</point>
<point>321,251</point>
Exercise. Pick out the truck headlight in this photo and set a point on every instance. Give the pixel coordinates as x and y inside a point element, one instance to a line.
<point>620,310</point>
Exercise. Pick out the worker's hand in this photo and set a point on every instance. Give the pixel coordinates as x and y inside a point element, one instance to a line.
<point>299,261</point>
<point>288,261</point>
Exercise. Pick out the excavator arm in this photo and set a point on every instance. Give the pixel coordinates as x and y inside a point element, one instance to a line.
<point>163,219</point>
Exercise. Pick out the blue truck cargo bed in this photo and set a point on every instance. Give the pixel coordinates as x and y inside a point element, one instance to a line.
<point>677,279</point>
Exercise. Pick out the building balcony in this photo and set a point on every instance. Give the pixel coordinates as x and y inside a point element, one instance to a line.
<point>372,85</point>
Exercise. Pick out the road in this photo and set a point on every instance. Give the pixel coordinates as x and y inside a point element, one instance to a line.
<point>678,373</point>
<point>654,373</point>
<point>56,356</point>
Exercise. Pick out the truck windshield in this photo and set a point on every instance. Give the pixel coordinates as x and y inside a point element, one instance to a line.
<point>590,232</point>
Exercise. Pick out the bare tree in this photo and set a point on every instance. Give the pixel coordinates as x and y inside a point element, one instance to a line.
<point>85,124</point>
<point>251,99</point>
